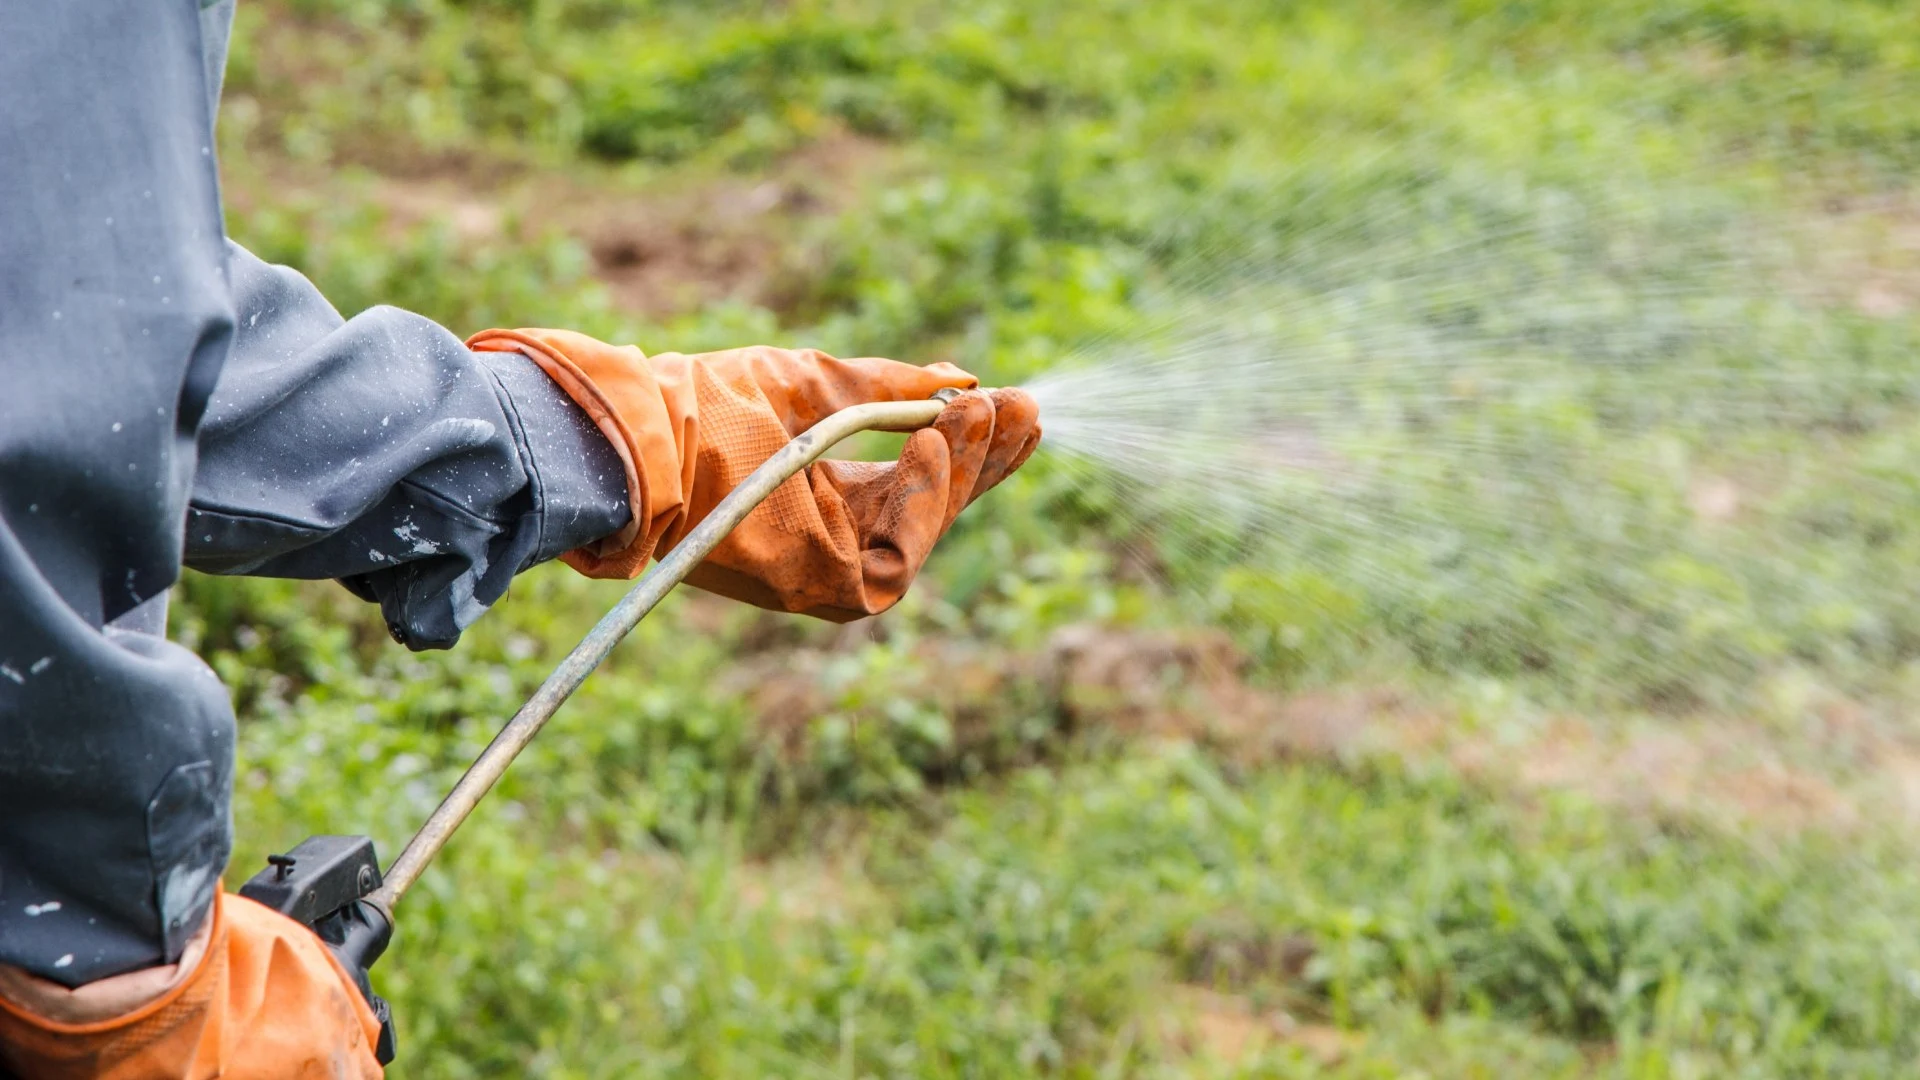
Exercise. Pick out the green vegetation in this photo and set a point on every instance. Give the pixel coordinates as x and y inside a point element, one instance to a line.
<point>1540,800</point>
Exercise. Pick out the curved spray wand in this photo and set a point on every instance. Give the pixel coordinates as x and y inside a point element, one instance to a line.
<point>803,450</point>
<point>325,874</point>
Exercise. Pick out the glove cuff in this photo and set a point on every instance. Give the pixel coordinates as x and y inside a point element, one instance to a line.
<point>648,422</point>
<point>267,999</point>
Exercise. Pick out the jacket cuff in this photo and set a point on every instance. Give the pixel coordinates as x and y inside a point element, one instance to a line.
<point>644,421</point>
<point>579,482</point>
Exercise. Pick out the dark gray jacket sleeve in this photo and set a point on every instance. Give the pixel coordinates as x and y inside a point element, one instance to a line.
<point>381,451</point>
<point>160,386</point>
<point>116,747</point>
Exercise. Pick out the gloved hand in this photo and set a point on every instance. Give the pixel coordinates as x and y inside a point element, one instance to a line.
<point>841,539</point>
<point>263,999</point>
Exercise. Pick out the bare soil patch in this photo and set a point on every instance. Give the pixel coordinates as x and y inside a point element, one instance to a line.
<point>1193,685</point>
<point>661,250</point>
<point>1235,1029</point>
<point>1861,251</point>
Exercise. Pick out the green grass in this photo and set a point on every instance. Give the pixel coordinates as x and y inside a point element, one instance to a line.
<point>945,862</point>
<point>644,897</point>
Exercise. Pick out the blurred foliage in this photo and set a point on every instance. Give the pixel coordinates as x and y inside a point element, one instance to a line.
<point>756,846</point>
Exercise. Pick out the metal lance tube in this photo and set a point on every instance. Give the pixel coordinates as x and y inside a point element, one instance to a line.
<point>492,763</point>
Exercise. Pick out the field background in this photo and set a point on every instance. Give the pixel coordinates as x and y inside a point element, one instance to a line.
<point>1109,795</point>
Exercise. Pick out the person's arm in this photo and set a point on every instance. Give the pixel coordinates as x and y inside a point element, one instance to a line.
<point>117,759</point>
<point>117,756</point>
<point>381,451</point>
<point>425,474</point>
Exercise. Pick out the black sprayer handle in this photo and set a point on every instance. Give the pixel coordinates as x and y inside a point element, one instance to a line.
<point>323,884</point>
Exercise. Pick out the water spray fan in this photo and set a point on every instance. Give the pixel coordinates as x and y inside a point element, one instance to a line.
<point>325,874</point>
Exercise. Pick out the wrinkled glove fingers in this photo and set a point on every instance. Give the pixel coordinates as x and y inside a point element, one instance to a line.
<point>967,425</point>
<point>871,489</point>
<point>909,521</point>
<point>1016,432</point>
<point>865,486</point>
<point>805,386</point>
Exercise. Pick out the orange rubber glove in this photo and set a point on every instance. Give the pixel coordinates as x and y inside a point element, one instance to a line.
<point>264,1001</point>
<point>839,540</point>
